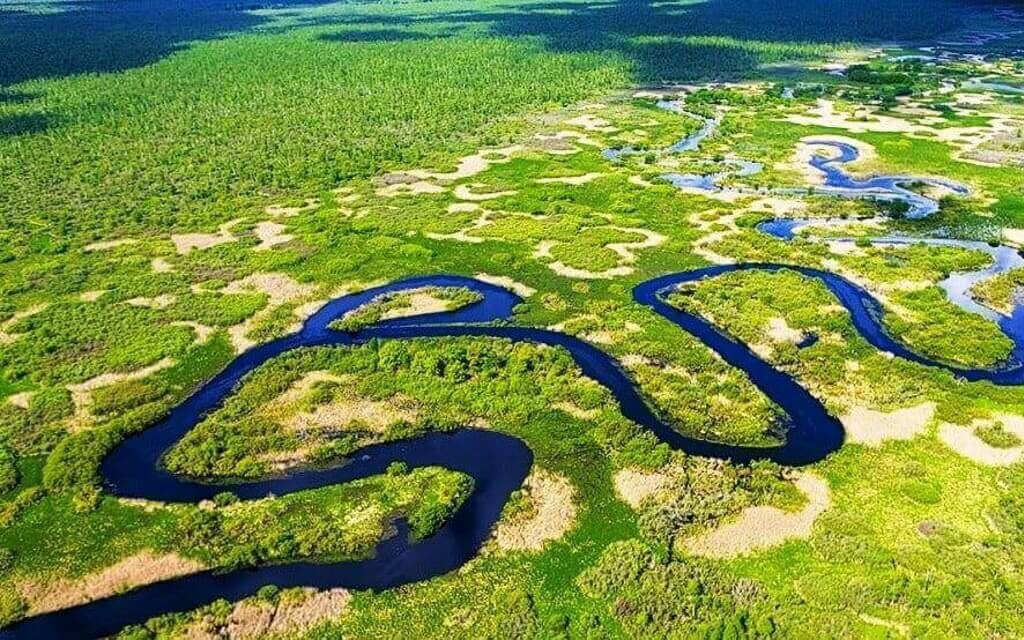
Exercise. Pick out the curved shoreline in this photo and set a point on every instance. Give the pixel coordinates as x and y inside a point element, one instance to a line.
<point>498,463</point>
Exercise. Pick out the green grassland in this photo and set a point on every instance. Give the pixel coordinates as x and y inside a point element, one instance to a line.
<point>233,170</point>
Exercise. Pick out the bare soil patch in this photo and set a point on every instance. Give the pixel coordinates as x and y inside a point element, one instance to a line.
<point>134,571</point>
<point>870,427</point>
<point>763,527</point>
<point>553,515</point>
<point>966,442</point>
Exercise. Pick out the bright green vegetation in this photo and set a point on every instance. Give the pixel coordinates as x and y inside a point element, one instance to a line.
<point>841,367</point>
<point>393,391</point>
<point>917,312</point>
<point>984,345</point>
<point>8,471</point>
<point>333,523</point>
<point>997,436</point>
<point>651,595</point>
<point>397,304</point>
<point>701,497</point>
<point>284,155</point>
<point>1002,291</point>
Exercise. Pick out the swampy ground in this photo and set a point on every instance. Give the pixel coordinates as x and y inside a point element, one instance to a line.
<point>180,184</point>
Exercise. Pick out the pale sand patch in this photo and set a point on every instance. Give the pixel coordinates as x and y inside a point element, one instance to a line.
<point>249,619</point>
<point>344,195</point>
<point>779,331</point>
<point>462,235</point>
<point>107,379</point>
<point>159,265</point>
<point>301,387</point>
<point>824,114</point>
<point>293,613</point>
<point>779,206</point>
<point>559,147</point>
<point>623,249</point>
<point>318,607</point>
<point>282,211</point>
<point>6,337</point>
<point>575,136</point>
<point>554,514</point>
<point>185,243</point>
<point>893,307</point>
<point>108,244</point>
<point>974,99</point>
<point>472,165</point>
<point>149,506</point>
<point>602,336</point>
<point>376,415</point>
<point>576,411</point>
<point>700,245</point>
<point>811,146</point>
<point>586,317</point>
<point>81,393</point>
<point>1000,126</point>
<point>588,122</point>
<point>640,182</point>
<point>762,527</point>
<point>463,207</point>
<point>867,120</point>
<point>161,301</point>
<point>239,336</point>
<point>633,487</point>
<point>520,289</point>
<point>844,248</point>
<point>304,311</point>
<point>571,180</point>
<point>916,109</point>
<point>631,360</point>
<point>21,400</point>
<point>466,192</point>
<point>420,187</point>
<point>419,303</point>
<point>870,427</point>
<point>1014,236</point>
<point>565,270</point>
<point>202,331</point>
<point>964,441</point>
<point>543,249</point>
<point>898,627</point>
<point>91,296</point>
<point>906,285</point>
<point>764,350</point>
<point>270,234</point>
<point>134,571</point>
<point>278,287</point>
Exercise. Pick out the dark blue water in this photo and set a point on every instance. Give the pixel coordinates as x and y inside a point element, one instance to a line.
<point>886,187</point>
<point>837,182</point>
<point>498,463</point>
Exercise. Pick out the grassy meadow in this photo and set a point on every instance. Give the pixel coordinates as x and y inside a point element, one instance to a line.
<point>181,182</point>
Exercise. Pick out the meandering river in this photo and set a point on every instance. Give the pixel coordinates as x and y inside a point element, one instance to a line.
<point>497,463</point>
